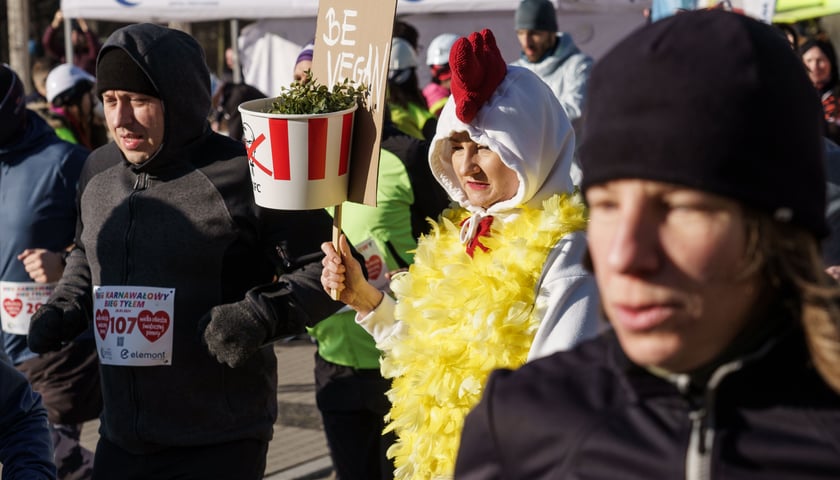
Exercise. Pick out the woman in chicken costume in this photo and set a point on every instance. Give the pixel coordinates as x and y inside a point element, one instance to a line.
<point>499,279</point>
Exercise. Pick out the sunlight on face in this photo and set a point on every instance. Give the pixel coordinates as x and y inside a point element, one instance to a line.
<point>534,43</point>
<point>136,123</point>
<point>481,173</point>
<point>667,259</point>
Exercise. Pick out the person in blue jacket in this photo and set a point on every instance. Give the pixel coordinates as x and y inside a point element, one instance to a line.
<point>38,177</point>
<point>25,446</point>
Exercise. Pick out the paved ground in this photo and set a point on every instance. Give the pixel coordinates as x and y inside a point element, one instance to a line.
<point>299,449</point>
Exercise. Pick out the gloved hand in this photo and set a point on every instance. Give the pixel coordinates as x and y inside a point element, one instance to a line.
<point>51,326</point>
<point>232,333</point>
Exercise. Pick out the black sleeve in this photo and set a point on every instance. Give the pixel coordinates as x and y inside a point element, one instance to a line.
<point>297,298</point>
<point>25,446</point>
<point>479,457</point>
<point>831,245</point>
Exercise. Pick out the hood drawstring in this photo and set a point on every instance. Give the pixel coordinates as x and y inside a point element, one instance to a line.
<point>472,229</point>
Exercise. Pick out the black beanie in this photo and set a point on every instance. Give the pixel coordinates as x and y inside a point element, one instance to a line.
<point>535,15</point>
<point>12,105</point>
<point>711,100</point>
<point>116,70</point>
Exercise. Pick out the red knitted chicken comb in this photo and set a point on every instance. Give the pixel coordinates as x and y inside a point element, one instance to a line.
<point>477,69</point>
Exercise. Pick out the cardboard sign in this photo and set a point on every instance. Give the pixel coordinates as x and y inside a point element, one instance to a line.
<point>353,41</point>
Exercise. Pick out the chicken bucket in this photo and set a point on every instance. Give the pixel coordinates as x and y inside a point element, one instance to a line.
<point>297,162</point>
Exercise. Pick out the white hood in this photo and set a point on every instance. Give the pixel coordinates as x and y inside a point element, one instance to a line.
<point>526,126</point>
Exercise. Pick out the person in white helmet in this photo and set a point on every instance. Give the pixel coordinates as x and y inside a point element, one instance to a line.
<point>405,100</point>
<point>437,58</point>
<point>73,106</point>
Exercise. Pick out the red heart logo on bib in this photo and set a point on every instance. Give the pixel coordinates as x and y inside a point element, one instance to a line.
<point>102,320</point>
<point>374,267</point>
<point>12,307</point>
<point>153,325</point>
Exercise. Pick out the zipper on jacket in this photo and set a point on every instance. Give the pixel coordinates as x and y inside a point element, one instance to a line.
<point>141,182</point>
<point>698,465</point>
<point>698,459</point>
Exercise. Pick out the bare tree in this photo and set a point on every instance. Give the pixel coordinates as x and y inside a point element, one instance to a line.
<point>18,24</point>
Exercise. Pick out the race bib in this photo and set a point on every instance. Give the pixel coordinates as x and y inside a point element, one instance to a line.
<point>20,301</point>
<point>133,325</point>
<point>374,263</point>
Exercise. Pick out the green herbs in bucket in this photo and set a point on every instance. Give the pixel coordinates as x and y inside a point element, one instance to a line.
<point>308,97</point>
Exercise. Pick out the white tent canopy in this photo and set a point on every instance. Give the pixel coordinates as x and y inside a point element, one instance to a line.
<point>269,46</point>
<point>207,10</point>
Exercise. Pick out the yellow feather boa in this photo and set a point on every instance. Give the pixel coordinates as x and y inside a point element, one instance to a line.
<point>465,317</point>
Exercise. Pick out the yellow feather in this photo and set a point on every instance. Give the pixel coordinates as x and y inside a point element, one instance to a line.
<point>465,317</point>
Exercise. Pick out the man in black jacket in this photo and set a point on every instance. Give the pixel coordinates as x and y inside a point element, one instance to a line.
<point>176,266</point>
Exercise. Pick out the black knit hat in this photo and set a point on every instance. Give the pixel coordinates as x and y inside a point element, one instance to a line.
<point>116,70</point>
<point>535,15</point>
<point>12,105</point>
<point>714,101</point>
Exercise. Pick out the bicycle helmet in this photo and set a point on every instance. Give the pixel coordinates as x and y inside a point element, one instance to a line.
<point>66,83</point>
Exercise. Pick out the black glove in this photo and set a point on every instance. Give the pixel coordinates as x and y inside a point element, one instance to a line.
<point>52,326</point>
<point>233,332</point>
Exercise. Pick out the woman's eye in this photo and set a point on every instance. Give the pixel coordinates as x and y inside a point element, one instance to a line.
<point>602,206</point>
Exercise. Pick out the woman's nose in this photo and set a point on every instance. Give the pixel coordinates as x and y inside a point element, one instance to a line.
<point>635,247</point>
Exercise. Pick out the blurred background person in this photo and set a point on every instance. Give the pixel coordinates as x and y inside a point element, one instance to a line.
<point>41,67</point>
<point>226,118</point>
<point>821,61</point>
<point>403,96</point>
<point>437,59</point>
<point>40,173</point>
<point>75,111</point>
<point>552,55</point>
<point>303,62</point>
<point>86,44</point>
<point>25,449</point>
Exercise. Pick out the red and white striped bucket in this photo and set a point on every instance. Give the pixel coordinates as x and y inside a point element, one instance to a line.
<point>298,162</point>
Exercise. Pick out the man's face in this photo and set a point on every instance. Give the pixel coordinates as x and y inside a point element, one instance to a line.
<point>135,122</point>
<point>535,43</point>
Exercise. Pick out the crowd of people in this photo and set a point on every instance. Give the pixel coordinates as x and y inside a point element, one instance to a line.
<point>623,268</point>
